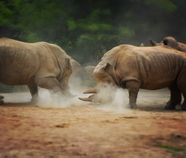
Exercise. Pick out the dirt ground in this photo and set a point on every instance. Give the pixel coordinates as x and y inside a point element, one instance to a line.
<point>88,130</point>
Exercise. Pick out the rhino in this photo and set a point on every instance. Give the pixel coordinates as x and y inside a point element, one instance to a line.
<point>35,64</point>
<point>171,42</point>
<point>134,68</point>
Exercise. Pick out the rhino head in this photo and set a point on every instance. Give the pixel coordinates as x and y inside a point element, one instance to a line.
<point>107,82</point>
<point>171,42</point>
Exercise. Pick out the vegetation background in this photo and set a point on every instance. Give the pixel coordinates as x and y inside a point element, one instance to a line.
<point>86,29</point>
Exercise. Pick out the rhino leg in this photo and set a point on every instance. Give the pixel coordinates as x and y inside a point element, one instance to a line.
<point>33,90</point>
<point>175,97</point>
<point>182,85</point>
<point>65,88</point>
<point>1,100</point>
<point>133,88</point>
<point>50,83</point>
<point>183,106</point>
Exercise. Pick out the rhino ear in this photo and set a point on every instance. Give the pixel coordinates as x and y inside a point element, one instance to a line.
<point>152,43</point>
<point>107,67</point>
<point>67,63</point>
<point>170,41</point>
<point>166,41</point>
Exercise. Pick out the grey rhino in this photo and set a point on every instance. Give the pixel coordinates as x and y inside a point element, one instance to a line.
<point>35,64</point>
<point>171,42</point>
<point>150,68</point>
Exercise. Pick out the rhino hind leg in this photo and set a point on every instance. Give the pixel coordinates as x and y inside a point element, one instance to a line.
<point>33,90</point>
<point>182,85</point>
<point>175,97</point>
<point>1,100</point>
<point>183,106</point>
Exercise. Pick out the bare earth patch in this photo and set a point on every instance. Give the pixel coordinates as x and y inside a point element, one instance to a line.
<point>89,130</point>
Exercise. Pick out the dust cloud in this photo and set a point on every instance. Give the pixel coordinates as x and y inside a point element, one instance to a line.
<point>108,98</point>
<point>112,99</point>
<point>48,100</point>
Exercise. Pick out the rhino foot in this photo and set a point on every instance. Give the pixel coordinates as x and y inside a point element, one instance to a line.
<point>132,106</point>
<point>183,107</point>
<point>1,100</point>
<point>171,104</point>
<point>34,100</point>
<point>169,107</point>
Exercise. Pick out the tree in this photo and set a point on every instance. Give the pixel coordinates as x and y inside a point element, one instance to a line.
<point>86,29</point>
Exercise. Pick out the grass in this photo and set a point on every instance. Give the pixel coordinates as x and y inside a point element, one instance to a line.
<point>177,152</point>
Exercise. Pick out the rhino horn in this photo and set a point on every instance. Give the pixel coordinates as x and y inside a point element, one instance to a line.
<point>88,99</point>
<point>93,90</point>
<point>152,43</point>
<point>141,45</point>
<point>85,99</point>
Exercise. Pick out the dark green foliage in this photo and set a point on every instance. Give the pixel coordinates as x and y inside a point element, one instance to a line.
<point>87,29</point>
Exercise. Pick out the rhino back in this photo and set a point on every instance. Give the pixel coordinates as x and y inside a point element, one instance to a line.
<point>18,62</point>
<point>155,67</point>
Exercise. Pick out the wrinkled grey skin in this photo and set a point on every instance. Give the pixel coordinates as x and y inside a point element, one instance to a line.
<point>35,64</point>
<point>171,42</point>
<point>148,68</point>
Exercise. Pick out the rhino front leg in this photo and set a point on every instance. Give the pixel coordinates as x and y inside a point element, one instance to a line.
<point>64,82</point>
<point>50,83</point>
<point>133,88</point>
<point>1,100</point>
<point>65,88</point>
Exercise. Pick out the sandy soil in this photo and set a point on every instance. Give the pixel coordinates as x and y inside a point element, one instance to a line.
<point>88,130</point>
